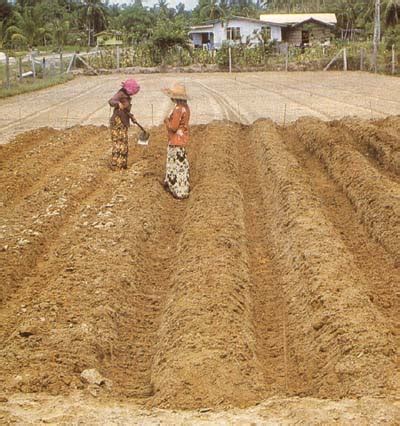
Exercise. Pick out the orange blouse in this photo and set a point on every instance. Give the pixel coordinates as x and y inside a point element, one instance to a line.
<point>177,124</point>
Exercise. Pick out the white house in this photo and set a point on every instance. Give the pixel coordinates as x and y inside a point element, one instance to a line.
<point>237,29</point>
<point>300,28</point>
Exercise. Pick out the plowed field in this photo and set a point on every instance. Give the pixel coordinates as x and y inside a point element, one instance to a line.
<point>278,277</point>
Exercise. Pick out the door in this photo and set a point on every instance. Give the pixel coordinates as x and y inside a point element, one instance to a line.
<point>305,37</point>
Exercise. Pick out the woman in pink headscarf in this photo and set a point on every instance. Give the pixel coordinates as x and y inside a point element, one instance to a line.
<point>120,121</point>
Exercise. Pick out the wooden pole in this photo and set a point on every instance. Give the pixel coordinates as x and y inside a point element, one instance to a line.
<point>33,66</point>
<point>118,58</point>
<point>362,52</point>
<point>230,58</point>
<point>7,71</point>
<point>333,60</point>
<point>61,63</point>
<point>44,67</point>
<point>377,34</point>
<point>345,59</point>
<point>71,63</point>
<point>284,116</point>
<point>287,58</point>
<point>20,69</point>
<point>393,60</point>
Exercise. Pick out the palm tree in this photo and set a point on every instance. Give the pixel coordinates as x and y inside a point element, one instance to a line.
<point>211,10</point>
<point>27,28</point>
<point>3,34</point>
<point>392,13</point>
<point>95,15</point>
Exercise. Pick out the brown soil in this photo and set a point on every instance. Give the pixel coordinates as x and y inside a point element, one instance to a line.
<point>278,277</point>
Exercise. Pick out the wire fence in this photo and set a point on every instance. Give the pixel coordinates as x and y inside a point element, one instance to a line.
<point>19,70</point>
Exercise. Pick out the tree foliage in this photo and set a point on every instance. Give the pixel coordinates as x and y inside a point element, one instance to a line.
<point>61,22</point>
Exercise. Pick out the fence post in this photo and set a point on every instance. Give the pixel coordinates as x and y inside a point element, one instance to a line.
<point>33,66</point>
<point>118,58</point>
<point>20,68</point>
<point>61,63</point>
<point>287,58</point>
<point>393,60</point>
<point>345,59</point>
<point>230,58</point>
<point>362,52</point>
<point>7,71</point>
<point>44,67</point>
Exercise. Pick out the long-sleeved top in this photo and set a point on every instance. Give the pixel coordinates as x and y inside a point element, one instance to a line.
<point>121,97</point>
<point>177,124</point>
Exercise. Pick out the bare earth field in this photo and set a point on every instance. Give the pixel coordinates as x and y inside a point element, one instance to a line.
<point>244,97</point>
<point>270,296</point>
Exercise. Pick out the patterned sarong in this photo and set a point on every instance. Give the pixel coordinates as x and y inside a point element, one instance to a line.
<point>119,138</point>
<point>177,173</point>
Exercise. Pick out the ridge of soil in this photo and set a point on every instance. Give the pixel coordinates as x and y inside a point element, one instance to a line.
<point>278,278</point>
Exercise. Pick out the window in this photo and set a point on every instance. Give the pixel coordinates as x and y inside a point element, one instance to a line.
<point>233,33</point>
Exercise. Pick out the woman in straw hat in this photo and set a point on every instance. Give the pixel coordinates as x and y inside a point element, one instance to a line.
<point>120,121</point>
<point>177,124</point>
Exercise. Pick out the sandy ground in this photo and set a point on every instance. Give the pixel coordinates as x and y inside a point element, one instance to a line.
<point>79,410</point>
<point>270,296</point>
<point>283,97</point>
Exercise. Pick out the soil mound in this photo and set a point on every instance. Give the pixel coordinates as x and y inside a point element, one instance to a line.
<point>279,276</point>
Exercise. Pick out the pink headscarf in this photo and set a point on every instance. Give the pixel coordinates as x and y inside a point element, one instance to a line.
<point>131,86</point>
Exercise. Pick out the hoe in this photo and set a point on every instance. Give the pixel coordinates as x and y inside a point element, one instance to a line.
<point>144,136</point>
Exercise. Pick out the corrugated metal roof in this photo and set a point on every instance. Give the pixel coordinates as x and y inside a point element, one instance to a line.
<point>298,18</point>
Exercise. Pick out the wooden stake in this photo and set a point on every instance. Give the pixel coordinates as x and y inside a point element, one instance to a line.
<point>362,52</point>
<point>118,58</point>
<point>61,63</point>
<point>287,58</point>
<point>344,59</point>
<point>20,69</point>
<point>230,58</point>
<point>393,60</point>
<point>284,116</point>
<point>333,60</point>
<point>71,63</point>
<point>7,71</point>
<point>86,64</point>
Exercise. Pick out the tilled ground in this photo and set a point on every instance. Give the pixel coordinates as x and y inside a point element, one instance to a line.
<point>278,277</point>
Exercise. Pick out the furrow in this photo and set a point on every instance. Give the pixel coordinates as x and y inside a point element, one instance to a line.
<point>34,156</point>
<point>95,301</point>
<point>206,353</point>
<point>338,344</point>
<point>375,198</point>
<point>374,142</point>
<point>268,301</point>
<point>30,226</point>
<point>380,272</point>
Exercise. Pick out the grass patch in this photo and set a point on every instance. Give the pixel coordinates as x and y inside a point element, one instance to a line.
<point>33,85</point>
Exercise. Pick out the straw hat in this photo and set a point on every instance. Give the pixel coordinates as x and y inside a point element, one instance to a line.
<point>177,91</point>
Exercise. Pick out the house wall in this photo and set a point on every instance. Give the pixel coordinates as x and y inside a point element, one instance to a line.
<point>318,34</point>
<point>246,29</point>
